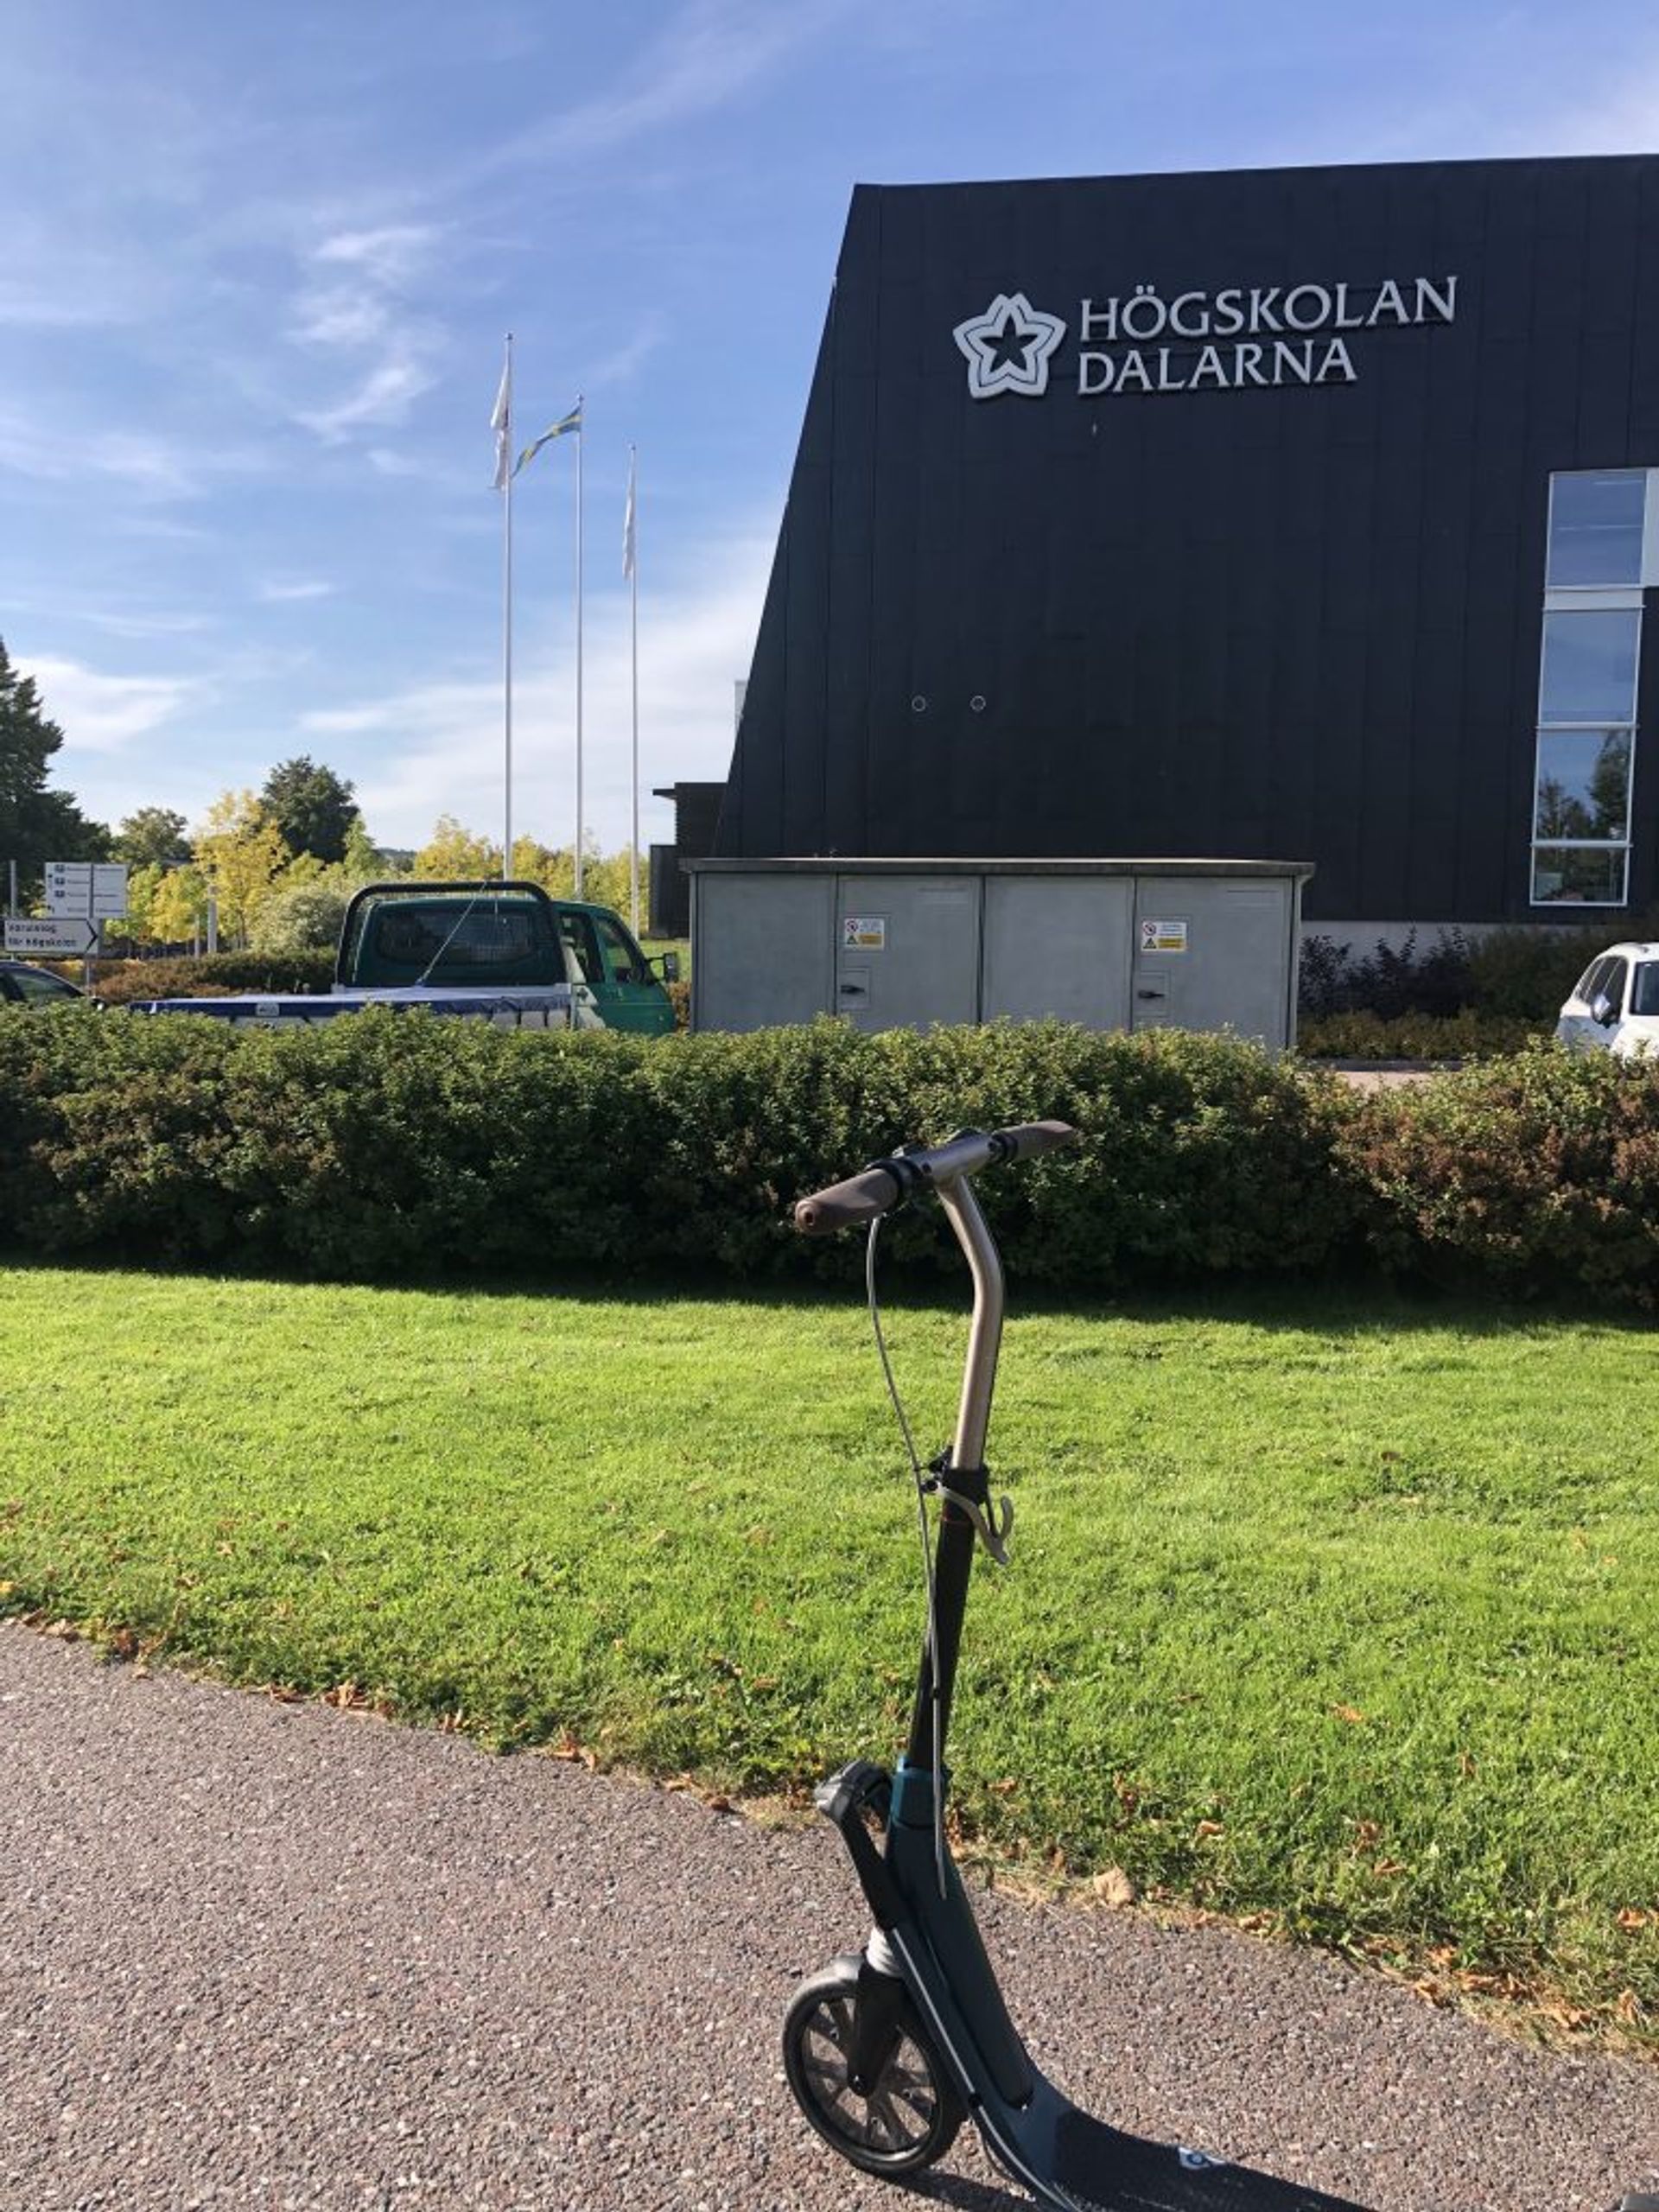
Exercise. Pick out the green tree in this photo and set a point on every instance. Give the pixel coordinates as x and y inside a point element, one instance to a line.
<point>36,824</point>
<point>365,861</point>
<point>312,807</point>
<point>302,917</point>
<point>153,838</point>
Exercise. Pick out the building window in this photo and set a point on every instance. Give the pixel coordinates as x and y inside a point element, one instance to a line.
<point>1595,530</point>
<point>1603,544</point>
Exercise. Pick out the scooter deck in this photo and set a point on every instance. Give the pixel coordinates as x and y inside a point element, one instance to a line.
<point>1066,2157</point>
<point>1094,2168</point>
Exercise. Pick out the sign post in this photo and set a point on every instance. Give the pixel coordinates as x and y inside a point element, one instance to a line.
<point>89,893</point>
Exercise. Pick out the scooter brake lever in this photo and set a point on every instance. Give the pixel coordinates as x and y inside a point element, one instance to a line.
<point>993,1522</point>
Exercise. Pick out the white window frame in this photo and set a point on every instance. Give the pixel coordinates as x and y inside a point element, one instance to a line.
<point>1584,599</point>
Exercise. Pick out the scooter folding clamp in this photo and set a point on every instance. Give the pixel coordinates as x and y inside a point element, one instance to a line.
<point>993,1522</point>
<point>909,1174</point>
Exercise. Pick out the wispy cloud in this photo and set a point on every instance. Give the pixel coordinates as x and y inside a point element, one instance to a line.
<point>146,463</point>
<point>54,298</point>
<point>364,311</point>
<point>139,623</point>
<point>386,461</point>
<point>104,714</point>
<point>386,257</point>
<point>712,54</point>
<point>275,592</point>
<point>127,622</point>
<point>626,361</point>
<point>384,394</point>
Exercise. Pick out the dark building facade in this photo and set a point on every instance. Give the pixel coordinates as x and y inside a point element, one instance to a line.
<point>1302,512</point>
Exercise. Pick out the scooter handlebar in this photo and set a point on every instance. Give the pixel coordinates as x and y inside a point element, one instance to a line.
<point>1026,1139</point>
<point>862,1197</point>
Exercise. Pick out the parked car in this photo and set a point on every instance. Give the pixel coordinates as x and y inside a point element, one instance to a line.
<point>1614,1006</point>
<point>22,983</point>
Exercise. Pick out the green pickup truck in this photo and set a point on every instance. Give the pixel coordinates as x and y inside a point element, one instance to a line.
<point>484,937</point>
<point>494,951</point>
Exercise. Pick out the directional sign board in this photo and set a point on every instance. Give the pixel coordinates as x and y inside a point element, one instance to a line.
<point>56,934</point>
<point>85,887</point>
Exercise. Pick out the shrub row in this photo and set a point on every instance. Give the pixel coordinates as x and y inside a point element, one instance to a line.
<point>1538,1172</point>
<point>1421,1037</point>
<point>392,1143</point>
<point>210,975</point>
<point>1521,974</point>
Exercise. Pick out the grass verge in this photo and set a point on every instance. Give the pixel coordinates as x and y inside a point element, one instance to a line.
<point>1335,1617</point>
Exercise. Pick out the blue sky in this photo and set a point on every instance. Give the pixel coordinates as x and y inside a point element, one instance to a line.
<point>256,265</point>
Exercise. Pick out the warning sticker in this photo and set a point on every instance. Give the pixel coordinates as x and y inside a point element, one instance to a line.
<point>866,932</point>
<point>1163,937</point>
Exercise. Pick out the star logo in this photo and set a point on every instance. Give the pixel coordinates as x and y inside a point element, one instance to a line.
<point>1007,348</point>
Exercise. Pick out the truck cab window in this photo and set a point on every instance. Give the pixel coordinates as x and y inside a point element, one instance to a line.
<point>623,961</point>
<point>577,933</point>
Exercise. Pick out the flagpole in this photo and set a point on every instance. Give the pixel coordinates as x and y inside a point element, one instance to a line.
<point>581,443</point>
<point>505,473</point>
<point>633,625</point>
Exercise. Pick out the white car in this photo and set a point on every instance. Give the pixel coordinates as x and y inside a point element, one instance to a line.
<point>1614,1007</point>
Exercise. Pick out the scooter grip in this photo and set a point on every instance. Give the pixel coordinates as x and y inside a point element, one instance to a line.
<point>861,1198</point>
<point>1026,1139</point>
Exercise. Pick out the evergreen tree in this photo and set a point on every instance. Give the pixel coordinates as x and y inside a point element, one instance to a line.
<point>36,826</point>
<point>312,807</point>
<point>153,838</point>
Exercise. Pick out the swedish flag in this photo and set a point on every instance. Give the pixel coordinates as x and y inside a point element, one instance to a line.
<point>570,422</point>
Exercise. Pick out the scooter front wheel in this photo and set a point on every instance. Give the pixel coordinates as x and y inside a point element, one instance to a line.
<point>908,2119</point>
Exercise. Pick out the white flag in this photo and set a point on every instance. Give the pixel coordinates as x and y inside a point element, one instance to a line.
<point>627,522</point>
<point>501,424</point>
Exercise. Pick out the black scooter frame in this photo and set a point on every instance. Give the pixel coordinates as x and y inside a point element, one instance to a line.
<point>925,1946</point>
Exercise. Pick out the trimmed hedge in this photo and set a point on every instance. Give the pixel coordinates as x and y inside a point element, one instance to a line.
<point>393,1141</point>
<point>1422,1037</point>
<point>212,975</point>
<point>1534,1172</point>
<point>388,1144</point>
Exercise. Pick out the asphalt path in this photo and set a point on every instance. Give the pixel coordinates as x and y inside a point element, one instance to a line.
<point>255,1954</point>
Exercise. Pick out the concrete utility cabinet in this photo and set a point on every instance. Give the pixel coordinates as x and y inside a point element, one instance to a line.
<point>889,943</point>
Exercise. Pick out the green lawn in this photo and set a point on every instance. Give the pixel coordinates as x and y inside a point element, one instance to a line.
<point>1336,1612</point>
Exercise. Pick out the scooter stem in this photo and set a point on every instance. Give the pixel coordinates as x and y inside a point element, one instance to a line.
<point>985,1334</point>
<point>954,1559</point>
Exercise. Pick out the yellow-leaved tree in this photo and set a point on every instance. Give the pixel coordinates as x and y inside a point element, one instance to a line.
<point>456,854</point>
<point>178,907</point>
<point>453,855</point>
<point>239,851</point>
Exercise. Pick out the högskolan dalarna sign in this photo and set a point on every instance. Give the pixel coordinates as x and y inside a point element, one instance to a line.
<point>1239,338</point>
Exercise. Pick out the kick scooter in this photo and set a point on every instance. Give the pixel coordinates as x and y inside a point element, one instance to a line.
<point>887,2051</point>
